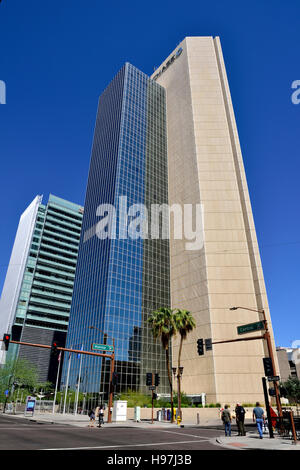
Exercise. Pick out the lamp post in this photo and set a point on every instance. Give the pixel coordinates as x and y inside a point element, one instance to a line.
<point>112,369</point>
<point>174,370</point>
<point>267,337</point>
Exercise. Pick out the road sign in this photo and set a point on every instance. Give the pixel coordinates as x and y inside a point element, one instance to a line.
<point>152,387</point>
<point>6,393</point>
<point>274,378</point>
<point>102,347</point>
<point>30,405</point>
<point>259,325</point>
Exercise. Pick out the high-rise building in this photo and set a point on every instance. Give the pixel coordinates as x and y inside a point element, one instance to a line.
<point>171,138</point>
<point>205,167</point>
<point>120,280</point>
<point>289,363</point>
<point>36,298</point>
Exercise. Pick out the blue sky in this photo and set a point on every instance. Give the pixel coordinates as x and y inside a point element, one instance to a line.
<point>57,57</point>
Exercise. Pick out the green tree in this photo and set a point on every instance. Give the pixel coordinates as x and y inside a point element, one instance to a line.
<point>184,324</point>
<point>292,387</point>
<point>163,327</point>
<point>19,372</point>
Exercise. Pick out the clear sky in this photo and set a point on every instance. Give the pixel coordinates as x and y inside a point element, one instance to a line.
<point>57,57</point>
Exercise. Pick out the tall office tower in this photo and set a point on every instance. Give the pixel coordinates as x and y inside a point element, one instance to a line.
<point>121,279</point>
<point>205,167</point>
<point>37,292</point>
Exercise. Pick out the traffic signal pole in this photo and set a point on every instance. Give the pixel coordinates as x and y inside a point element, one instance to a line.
<point>152,396</point>
<point>264,382</point>
<point>88,353</point>
<point>267,337</point>
<point>112,369</point>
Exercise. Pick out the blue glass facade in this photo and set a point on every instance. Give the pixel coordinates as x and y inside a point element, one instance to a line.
<point>120,281</point>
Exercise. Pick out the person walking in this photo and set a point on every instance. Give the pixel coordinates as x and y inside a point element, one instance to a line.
<point>91,415</point>
<point>226,418</point>
<point>101,416</point>
<point>97,411</point>
<point>259,417</point>
<point>240,419</point>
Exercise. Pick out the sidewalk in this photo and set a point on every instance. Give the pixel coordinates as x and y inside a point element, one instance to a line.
<point>83,421</point>
<point>252,442</point>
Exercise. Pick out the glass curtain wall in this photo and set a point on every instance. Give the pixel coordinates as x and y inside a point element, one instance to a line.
<point>120,281</point>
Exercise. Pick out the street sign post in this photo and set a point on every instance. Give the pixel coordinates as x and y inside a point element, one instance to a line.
<point>259,325</point>
<point>102,347</point>
<point>30,405</point>
<point>274,378</point>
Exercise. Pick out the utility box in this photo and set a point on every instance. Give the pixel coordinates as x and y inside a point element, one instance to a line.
<point>119,410</point>
<point>137,413</point>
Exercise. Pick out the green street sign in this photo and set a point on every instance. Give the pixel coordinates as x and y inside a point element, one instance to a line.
<point>102,347</point>
<point>259,325</point>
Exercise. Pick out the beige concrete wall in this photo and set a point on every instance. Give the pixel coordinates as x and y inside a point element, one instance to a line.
<point>205,166</point>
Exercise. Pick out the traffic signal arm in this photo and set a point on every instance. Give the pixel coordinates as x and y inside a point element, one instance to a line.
<point>77,351</point>
<point>238,339</point>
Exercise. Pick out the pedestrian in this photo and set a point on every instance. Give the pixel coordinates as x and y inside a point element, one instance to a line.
<point>97,411</point>
<point>101,416</point>
<point>91,415</point>
<point>259,417</point>
<point>226,418</point>
<point>240,419</point>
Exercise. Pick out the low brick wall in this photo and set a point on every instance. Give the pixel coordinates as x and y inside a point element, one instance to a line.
<point>190,415</point>
<point>193,415</point>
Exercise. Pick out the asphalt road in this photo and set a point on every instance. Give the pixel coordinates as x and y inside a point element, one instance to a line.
<point>21,434</point>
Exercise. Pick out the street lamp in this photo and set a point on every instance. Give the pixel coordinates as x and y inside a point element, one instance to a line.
<point>267,337</point>
<point>179,376</point>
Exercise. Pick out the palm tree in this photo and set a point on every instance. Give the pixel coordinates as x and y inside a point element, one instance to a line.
<point>163,327</point>
<point>184,324</point>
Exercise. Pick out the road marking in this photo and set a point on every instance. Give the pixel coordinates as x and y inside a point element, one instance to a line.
<point>130,445</point>
<point>32,427</point>
<point>185,434</point>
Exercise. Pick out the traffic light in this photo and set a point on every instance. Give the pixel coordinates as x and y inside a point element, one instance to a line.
<point>208,344</point>
<point>200,346</point>
<point>115,379</point>
<point>268,366</point>
<point>149,378</point>
<point>156,380</point>
<point>6,340</point>
<point>54,350</point>
<point>283,391</point>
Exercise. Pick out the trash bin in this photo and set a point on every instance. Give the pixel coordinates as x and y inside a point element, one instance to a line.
<point>159,415</point>
<point>137,413</point>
